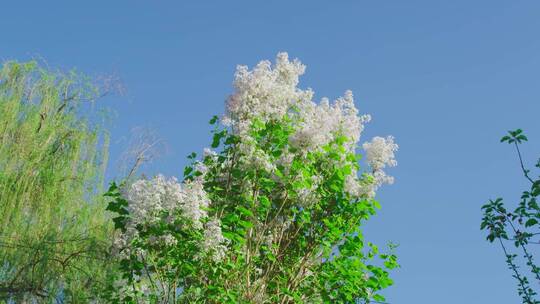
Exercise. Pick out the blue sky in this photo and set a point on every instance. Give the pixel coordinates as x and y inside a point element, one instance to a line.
<point>446,78</point>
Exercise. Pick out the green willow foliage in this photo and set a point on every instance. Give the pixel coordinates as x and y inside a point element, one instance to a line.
<point>517,229</point>
<point>52,227</point>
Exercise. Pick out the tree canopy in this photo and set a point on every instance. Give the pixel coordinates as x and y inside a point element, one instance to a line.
<point>52,158</point>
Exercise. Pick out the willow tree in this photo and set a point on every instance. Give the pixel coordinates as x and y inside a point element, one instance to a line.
<point>271,214</point>
<point>52,159</point>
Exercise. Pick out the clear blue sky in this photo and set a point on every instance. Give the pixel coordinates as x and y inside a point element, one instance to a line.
<point>446,78</point>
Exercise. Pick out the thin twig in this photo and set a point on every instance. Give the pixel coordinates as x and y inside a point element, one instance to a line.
<point>525,172</point>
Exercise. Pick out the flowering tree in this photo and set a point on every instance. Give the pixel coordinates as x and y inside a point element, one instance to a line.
<point>271,214</point>
<point>518,227</point>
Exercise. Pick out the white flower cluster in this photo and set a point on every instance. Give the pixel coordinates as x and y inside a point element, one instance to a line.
<point>380,154</point>
<point>147,199</point>
<point>265,92</point>
<point>269,92</point>
<point>195,201</point>
<point>320,123</point>
<point>207,152</point>
<point>255,156</point>
<point>214,242</point>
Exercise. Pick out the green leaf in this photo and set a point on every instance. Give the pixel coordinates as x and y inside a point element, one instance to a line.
<point>214,119</point>
<point>521,138</point>
<point>120,223</point>
<point>271,257</point>
<point>245,224</point>
<point>265,202</point>
<point>531,222</point>
<point>244,211</point>
<point>217,138</point>
<point>379,298</point>
<point>187,171</point>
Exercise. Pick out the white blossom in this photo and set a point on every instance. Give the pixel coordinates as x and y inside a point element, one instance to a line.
<point>254,156</point>
<point>266,92</point>
<point>353,186</point>
<point>361,187</point>
<point>148,199</point>
<point>201,167</point>
<point>207,152</point>
<point>214,242</point>
<point>194,202</point>
<point>321,123</point>
<point>380,152</point>
<point>169,240</point>
<point>270,92</point>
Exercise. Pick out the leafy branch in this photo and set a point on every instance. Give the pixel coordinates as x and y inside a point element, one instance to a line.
<point>517,226</point>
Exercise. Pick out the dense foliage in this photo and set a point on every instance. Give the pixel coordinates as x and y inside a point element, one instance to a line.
<point>518,227</point>
<point>52,226</point>
<point>271,214</point>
